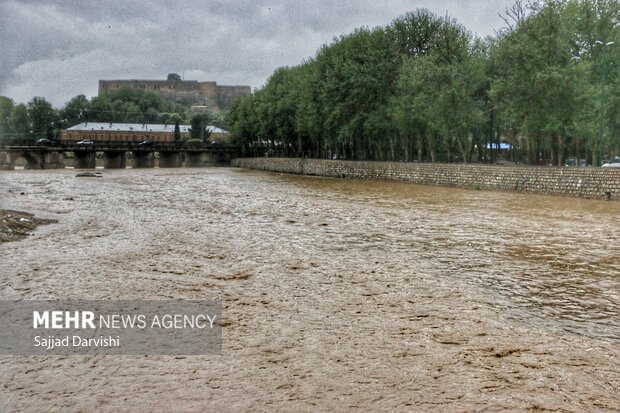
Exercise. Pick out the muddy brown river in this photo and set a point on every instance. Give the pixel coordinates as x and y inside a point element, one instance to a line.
<point>337,295</point>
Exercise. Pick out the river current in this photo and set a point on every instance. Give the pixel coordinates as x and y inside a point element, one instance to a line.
<point>362,295</point>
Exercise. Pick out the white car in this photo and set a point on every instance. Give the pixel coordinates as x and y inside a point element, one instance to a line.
<point>614,163</point>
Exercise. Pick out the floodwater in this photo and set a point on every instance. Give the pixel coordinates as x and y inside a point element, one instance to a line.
<point>337,295</point>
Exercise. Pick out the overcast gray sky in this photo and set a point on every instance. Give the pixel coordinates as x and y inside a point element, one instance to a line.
<point>61,48</point>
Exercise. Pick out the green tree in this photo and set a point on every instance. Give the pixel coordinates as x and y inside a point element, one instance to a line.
<point>6,107</point>
<point>244,126</point>
<point>443,93</point>
<point>199,127</point>
<point>549,74</point>
<point>133,106</point>
<point>75,111</point>
<point>177,132</point>
<point>43,118</point>
<point>19,122</point>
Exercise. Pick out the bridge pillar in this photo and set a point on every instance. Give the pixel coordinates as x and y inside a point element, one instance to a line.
<point>115,160</point>
<point>196,159</point>
<point>85,159</point>
<point>34,160</point>
<point>169,159</point>
<point>201,159</point>
<point>193,159</point>
<point>143,159</point>
<point>222,158</point>
<point>5,161</point>
<point>53,160</point>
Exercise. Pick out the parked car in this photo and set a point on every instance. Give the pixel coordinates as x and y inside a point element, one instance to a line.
<point>575,162</point>
<point>146,144</point>
<point>86,142</point>
<point>614,163</point>
<point>45,142</point>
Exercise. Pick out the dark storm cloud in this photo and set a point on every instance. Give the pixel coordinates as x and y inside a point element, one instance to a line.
<point>59,49</point>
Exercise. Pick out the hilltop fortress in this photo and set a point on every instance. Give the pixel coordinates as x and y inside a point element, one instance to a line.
<point>208,95</point>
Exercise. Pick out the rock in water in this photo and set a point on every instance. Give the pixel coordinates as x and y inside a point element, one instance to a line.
<point>89,175</point>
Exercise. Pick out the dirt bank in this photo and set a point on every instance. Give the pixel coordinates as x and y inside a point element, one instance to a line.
<point>15,225</point>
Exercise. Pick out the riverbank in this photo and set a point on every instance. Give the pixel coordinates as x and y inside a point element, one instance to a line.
<point>15,225</point>
<point>589,183</point>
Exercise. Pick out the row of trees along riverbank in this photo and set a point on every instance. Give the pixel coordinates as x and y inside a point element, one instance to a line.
<point>424,88</point>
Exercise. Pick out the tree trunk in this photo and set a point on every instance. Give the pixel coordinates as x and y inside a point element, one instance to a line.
<point>465,147</point>
<point>431,148</point>
<point>420,148</point>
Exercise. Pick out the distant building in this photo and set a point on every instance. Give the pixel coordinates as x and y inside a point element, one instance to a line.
<point>190,92</point>
<point>133,132</point>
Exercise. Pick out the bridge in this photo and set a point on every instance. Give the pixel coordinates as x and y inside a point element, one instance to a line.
<point>116,154</point>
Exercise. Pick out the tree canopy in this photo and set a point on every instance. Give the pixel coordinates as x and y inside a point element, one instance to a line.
<point>424,88</point>
<point>38,119</point>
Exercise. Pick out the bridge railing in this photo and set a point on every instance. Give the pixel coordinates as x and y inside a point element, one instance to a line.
<point>115,145</point>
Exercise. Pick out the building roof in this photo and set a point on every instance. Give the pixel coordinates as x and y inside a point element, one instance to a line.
<point>136,127</point>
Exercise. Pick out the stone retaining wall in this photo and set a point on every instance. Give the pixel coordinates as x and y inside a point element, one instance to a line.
<point>593,183</point>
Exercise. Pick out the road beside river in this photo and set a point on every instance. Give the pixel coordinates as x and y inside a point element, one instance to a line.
<point>337,295</point>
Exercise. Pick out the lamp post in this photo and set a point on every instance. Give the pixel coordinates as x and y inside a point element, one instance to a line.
<point>602,107</point>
